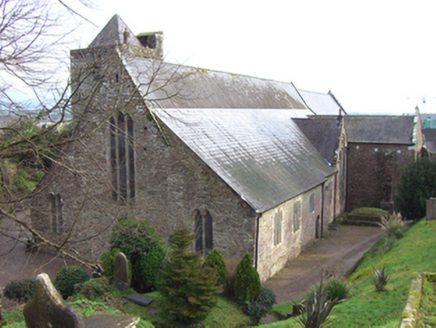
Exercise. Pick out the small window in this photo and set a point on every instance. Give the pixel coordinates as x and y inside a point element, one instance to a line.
<point>278,222</point>
<point>312,203</point>
<point>297,215</point>
<point>56,213</point>
<point>203,232</point>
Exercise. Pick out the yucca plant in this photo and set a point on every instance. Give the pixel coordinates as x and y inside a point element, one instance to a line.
<point>318,307</point>
<point>393,224</point>
<point>380,278</point>
<point>337,289</point>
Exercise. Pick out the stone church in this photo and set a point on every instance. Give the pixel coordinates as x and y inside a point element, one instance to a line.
<point>232,157</point>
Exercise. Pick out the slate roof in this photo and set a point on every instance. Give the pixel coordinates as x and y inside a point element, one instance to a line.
<point>113,33</point>
<point>260,153</point>
<point>322,103</point>
<point>380,129</point>
<point>177,86</point>
<point>323,132</point>
<point>430,139</point>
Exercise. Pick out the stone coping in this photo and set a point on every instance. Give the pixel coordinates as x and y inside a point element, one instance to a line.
<point>411,310</point>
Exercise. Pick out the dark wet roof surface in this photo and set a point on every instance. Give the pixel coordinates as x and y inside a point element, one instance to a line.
<point>177,86</point>
<point>430,139</point>
<point>321,103</point>
<point>379,129</point>
<point>261,154</point>
<point>323,133</point>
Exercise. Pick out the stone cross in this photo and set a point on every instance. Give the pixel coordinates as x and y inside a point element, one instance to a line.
<point>48,309</point>
<point>121,272</point>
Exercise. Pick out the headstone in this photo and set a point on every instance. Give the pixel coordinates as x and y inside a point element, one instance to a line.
<point>121,272</point>
<point>431,209</point>
<point>48,309</point>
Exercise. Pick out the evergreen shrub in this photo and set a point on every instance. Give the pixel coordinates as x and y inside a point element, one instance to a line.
<point>247,282</point>
<point>143,247</point>
<point>95,288</point>
<point>215,260</point>
<point>20,290</point>
<point>67,277</point>
<point>417,183</point>
<point>261,305</point>
<point>188,290</point>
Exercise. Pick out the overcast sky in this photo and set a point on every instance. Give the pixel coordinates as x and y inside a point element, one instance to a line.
<point>375,56</point>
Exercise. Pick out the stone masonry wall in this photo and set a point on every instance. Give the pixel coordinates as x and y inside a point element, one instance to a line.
<point>272,258</point>
<point>373,171</point>
<point>171,182</point>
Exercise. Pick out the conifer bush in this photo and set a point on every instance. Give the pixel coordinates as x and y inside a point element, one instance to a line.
<point>247,284</point>
<point>188,290</point>
<point>216,261</point>
<point>417,183</point>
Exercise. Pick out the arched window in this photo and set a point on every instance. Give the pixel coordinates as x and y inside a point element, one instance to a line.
<point>122,157</point>
<point>312,203</point>
<point>297,215</point>
<point>57,220</point>
<point>203,232</point>
<point>278,222</point>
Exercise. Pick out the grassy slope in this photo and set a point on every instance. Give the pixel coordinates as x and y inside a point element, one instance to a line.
<point>415,252</point>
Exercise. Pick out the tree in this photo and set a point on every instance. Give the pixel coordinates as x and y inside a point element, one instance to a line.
<point>32,54</point>
<point>247,281</point>
<point>189,291</point>
<point>417,183</point>
<point>215,260</point>
<point>29,42</point>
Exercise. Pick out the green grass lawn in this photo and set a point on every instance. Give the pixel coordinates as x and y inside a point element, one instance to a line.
<point>368,211</point>
<point>415,252</point>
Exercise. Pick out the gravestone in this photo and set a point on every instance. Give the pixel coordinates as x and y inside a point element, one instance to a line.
<point>48,309</point>
<point>431,209</point>
<point>121,272</point>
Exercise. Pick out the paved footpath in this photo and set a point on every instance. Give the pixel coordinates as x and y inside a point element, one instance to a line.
<point>335,254</point>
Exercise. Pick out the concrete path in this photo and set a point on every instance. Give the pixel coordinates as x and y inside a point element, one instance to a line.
<point>335,254</point>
